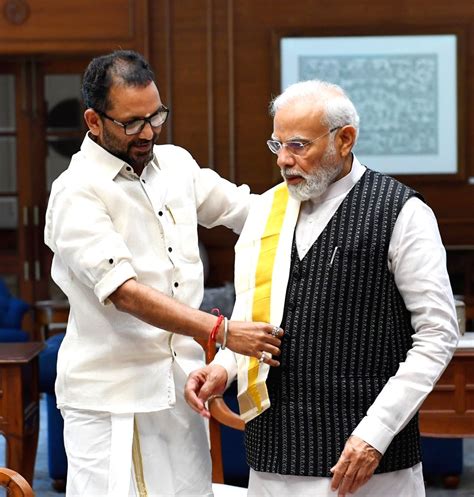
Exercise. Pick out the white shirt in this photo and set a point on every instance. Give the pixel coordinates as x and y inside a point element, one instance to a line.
<point>106,225</point>
<point>417,259</point>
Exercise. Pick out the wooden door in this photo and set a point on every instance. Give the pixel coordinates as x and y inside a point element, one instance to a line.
<point>63,128</point>
<point>15,189</point>
<point>41,126</point>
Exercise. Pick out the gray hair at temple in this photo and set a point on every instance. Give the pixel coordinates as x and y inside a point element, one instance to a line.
<point>338,108</point>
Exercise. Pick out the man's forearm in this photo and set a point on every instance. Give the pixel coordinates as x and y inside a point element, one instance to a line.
<point>162,311</point>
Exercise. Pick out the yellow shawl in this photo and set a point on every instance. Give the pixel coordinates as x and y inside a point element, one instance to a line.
<point>264,295</point>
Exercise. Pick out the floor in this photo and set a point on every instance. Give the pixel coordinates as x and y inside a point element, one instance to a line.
<point>42,483</point>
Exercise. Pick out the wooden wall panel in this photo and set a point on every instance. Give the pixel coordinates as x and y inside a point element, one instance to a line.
<point>220,77</point>
<point>189,79</point>
<point>51,26</point>
<point>224,89</point>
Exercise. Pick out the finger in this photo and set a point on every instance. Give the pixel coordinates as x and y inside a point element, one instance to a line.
<point>272,342</point>
<point>344,487</point>
<point>271,350</point>
<point>205,413</point>
<point>266,358</point>
<point>276,331</point>
<point>213,385</point>
<point>356,484</point>
<point>336,480</point>
<point>363,475</point>
<point>273,363</point>
<point>193,400</point>
<point>273,332</point>
<point>197,404</point>
<point>360,479</point>
<point>338,471</point>
<point>209,388</point>
<point>193,390</point>
<point>347,481</point>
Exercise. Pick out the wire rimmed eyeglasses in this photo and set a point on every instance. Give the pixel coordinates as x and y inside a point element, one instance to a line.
<point>295,147</point>
<point>136,126</point>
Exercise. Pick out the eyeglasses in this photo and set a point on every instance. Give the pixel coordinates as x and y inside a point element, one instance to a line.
<point>295,147</point>
<point>136,126</point>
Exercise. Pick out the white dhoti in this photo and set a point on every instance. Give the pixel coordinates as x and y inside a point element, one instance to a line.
<point>406,482</point>
<point>157,454</point>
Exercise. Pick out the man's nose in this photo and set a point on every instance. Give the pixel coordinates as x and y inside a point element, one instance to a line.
<point>284,158</point>
<point>147,132</point>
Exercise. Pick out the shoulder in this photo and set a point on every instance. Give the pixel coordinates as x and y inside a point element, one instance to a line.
<point>169,152</point>
<point>260,210</point>
<point>74,177</point>
<point>266,198</point>
<point>390,186</point>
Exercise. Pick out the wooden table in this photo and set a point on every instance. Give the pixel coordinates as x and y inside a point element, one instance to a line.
<point>19,404</point>
<point>49,313</point>
<point>448,411</point>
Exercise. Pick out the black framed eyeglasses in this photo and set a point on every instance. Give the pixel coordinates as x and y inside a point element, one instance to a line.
<point>136,126</point>
<point>295,147</point>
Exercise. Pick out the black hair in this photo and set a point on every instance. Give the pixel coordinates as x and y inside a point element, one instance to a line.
<point>124,67</point>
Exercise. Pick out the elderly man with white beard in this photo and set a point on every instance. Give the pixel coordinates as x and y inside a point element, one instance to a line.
<point>350,263</point>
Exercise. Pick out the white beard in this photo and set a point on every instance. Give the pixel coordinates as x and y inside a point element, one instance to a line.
<point>318,180</point>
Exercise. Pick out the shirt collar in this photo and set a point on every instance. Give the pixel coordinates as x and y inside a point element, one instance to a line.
<point>103,162</point>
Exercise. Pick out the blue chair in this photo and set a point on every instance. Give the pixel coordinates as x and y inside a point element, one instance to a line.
<point>442,457</point>
<point>57,460</point>
<point>234,461</point>
<point>12,311</point>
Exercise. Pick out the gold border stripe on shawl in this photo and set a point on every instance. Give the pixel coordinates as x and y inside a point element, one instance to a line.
<point>263,279</point>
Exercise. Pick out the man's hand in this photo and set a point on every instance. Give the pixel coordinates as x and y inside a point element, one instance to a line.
<point>160,310</point>
<point>252,339</point>
<point>355,467</point>
<point>201,384</point>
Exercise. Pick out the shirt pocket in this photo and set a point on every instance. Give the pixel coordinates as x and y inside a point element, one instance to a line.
<point>184,219</point>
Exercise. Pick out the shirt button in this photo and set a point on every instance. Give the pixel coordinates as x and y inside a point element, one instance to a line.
<point>176,284</point>
<point>170,249</point>
<point>160,213</point>
<point>111,261</point>
<point>128,168</point>
<point>143,181</point>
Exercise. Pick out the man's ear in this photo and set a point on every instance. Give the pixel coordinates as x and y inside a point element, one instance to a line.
<point>346,139</point>
<point>93,121</point>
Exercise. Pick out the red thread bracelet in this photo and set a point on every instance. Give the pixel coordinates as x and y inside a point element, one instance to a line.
<point>215,330</point>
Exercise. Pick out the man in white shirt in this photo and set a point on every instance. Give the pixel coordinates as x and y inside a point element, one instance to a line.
<point>122,223</point>
<point>355,274</point>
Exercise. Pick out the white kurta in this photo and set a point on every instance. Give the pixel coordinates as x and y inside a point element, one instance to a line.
<point>106,225</point>
<point>417,259</point>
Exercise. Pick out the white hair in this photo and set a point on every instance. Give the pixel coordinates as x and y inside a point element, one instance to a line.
<point>338,109</point>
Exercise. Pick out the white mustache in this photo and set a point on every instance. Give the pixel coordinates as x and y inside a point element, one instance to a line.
<point>292,174</point>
